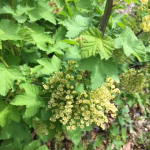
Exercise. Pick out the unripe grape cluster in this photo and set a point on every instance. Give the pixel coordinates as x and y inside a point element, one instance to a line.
<point>133,81</point>
<point>79,108</point>
<point>39,127</point>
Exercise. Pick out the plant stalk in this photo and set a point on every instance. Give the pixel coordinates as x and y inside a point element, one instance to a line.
<point>3,61</point>
<point>105,18</point>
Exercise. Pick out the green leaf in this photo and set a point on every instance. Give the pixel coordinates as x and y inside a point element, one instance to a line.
<point>100,69</point>
<point>34,145</point>
<point>7,113</point>
<point>75,135</point>
<point>26,34</point>
<point>43,147</point>
<point>50,65</point>
<point>7,78</point>
<point>22,134</point>
<point>12,59</point>
<point>9,30</point>
<point>130,44</point>
<point>19,15</point>
<point>42,11</point>
<point>59,34</point>
<point>31,99</point>
<point>117,144</point>
<point>73,54</point>
<point>79,88</point>
<point>75,25</point>
<point>58,47</point>
<point>96,44</point>
<point>40,38</point>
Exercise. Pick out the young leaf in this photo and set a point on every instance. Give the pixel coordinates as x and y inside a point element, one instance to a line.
<point>31,99</point>
<point>7,78</point>
<point>50,65</point>
<point>96,44</point>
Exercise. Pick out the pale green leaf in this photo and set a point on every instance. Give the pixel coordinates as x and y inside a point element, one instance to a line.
<point>50,65</point>
<point>7,78</point>
<point>96,44</point>
<point>31,99</point>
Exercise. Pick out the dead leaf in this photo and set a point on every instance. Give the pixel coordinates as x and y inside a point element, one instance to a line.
<point>127,146</point>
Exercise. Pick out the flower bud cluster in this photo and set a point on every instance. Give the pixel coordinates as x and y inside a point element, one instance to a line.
<point>56,9</point>
<point>145,25</point>
<point>120,57</point>
<point>133,81</point>
<point>144,2</point>
<point>40,128</point>
<point>74,108</point>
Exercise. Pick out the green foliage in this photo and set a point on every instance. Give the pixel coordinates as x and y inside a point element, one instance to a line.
<point>31,99</point>
<point>60,75</point>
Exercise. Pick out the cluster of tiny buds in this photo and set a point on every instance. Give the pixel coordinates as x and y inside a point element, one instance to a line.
<point>133,81</point>
<point>40,128</point>
<point>56,9</point>
<point>145,25</point>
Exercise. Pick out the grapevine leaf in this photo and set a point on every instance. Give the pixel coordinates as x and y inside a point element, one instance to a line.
<point>100,69</point>
<point>95,44</point>
<point>7,113</point>
<point>7,78</point>
<point>42,11</point>
<point>33,145</point>
<point>31,99</point>
<point>131,45</point>
<point>76,25</point>
<point>50,65</point>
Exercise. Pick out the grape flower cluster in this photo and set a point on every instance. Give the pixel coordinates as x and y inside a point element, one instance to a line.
<point>74,104</point>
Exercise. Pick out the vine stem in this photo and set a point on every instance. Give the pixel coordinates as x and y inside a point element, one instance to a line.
<point>3,61</point>
<point>105,18</point>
